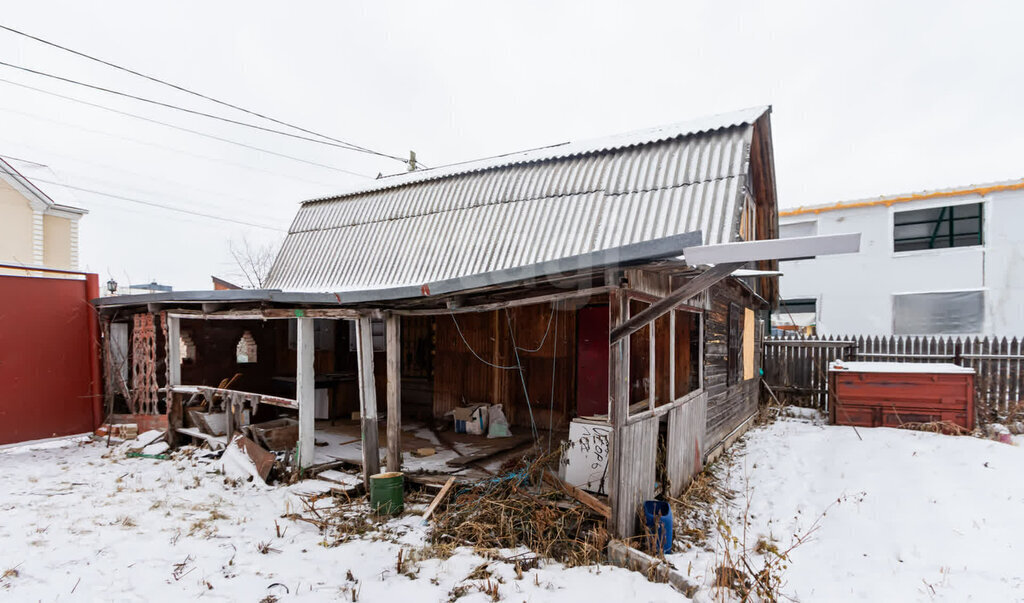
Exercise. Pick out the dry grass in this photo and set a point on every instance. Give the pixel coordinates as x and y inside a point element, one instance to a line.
<point>946,427</point>
<point>516,509</point>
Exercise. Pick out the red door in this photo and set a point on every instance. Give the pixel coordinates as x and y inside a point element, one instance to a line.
<point>592,361</point>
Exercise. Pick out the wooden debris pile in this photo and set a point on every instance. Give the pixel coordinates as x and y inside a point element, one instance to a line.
<point>526,505</point>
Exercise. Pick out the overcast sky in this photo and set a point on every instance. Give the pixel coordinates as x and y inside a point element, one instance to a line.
<point>868,99</point>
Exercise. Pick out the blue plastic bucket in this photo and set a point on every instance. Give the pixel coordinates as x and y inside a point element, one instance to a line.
<point>658,519</point>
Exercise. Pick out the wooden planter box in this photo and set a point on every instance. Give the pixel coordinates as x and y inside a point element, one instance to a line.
<point>890,394</point>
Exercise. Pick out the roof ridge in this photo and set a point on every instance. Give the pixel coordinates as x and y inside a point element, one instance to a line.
<point>564,150</point>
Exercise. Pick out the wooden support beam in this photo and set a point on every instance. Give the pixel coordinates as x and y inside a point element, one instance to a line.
<point>305,394</point>
<point>392,324</point>
<point>618,413</point>
<point>692,287</point>
<point>512,303</point>
<point>367,399</point>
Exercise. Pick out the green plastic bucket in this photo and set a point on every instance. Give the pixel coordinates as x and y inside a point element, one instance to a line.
<point>387,492</point>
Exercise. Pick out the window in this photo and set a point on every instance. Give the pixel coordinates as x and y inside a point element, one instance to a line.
<point>803,305</point>
<point>938,227</point>
<point>748,219</point>
<point>807,228</point>
<point>735,347</point>
<point>245,351</point>
<point>323,334</point>
<point>944,313</point>
<point>187,348</point>
<point>639,358</point>
<point>687,347</point>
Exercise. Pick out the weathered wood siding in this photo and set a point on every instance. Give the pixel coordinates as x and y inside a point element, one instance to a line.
<point>686,426</point>
<point>637,445</point>
<point>728,405</point>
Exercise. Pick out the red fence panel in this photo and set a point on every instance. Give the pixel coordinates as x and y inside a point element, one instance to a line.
<point>49,359</point>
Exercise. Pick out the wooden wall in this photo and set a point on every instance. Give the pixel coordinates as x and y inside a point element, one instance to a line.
<point>686,442</point>
<point>634,481</point>
<point>727,406</point>
<point>459,376</point>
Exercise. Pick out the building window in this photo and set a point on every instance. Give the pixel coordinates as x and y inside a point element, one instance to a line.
<point>687,350</point>
<point>735,347</point>
<point>938,227</point>
<point>748,219</point>
<point>245,351</point>
<point>803,305</point>
<point>807,228</point>
<point>950,312</point>
<point>187,348</point>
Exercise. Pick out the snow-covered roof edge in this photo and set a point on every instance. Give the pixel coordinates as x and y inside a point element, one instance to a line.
<point>563,150</point>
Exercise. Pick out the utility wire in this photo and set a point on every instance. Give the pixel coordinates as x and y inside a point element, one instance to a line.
<point>198,94</point>
<point>165,147</point>
<point>160,205</point>
<point>181,128</point>
<point>194,112</point>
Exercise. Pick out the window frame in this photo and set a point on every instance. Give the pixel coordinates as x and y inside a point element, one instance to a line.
<point>981,234</point>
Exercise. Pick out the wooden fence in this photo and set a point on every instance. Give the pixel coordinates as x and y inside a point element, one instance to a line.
<point>796,368</point>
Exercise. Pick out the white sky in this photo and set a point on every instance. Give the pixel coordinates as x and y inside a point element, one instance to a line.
<point>869,98</point>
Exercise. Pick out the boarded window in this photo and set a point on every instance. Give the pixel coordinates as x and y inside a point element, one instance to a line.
<point>938,227</point>
<point>735,339</point>
<point>245,351</point>
<point>938,313</point>
<point>748,344</point>
<point>639,358</point>
<point>687,347</point>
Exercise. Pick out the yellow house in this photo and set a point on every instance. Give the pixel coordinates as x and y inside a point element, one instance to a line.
<point>37,228</point>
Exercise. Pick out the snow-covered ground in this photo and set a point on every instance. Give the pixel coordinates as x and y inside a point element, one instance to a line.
<point>907,516</point>
<point>77,526</point>
<point>904,515</point>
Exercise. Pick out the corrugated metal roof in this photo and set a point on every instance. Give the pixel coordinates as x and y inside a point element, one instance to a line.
<point>523,208</point>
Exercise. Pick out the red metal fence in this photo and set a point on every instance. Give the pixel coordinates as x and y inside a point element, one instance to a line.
<point>49,357</point>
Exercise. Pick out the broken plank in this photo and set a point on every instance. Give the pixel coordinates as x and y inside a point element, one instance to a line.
<point>623,555</point>
<point>439,498</point>
<point>513,442</point>
<point>584,497</point>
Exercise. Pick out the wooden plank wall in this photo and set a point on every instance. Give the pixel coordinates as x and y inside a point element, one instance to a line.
<point>635,478</point>
<point>459,376</point>
<point>686,442</point>
<point>727,406</point>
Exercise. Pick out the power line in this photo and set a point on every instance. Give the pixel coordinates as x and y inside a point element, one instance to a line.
<point>160,205</point>
<point>194,93</point>
<point>61,78</point>
<point>164,147</point>
<point>183,129</point>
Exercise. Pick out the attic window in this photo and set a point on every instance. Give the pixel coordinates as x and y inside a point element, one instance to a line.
<point>245,351</point>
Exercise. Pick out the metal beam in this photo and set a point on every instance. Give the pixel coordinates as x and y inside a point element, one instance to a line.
<point>773,249</point>
<point>692,287</point>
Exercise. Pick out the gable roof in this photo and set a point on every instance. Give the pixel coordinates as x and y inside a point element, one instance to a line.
<point>524,208</point>
<point>35,182</point>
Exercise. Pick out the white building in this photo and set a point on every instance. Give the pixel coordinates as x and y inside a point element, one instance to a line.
<point>948,262</point>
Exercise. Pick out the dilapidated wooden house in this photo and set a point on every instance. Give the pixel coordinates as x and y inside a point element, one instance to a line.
<point>621,284</point>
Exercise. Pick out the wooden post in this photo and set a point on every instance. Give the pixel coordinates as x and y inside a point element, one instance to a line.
<point>173,351</point>
<point>305,393</point>
<point>367,399</point>
<point>394,355</point>
<point>620,523</point>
